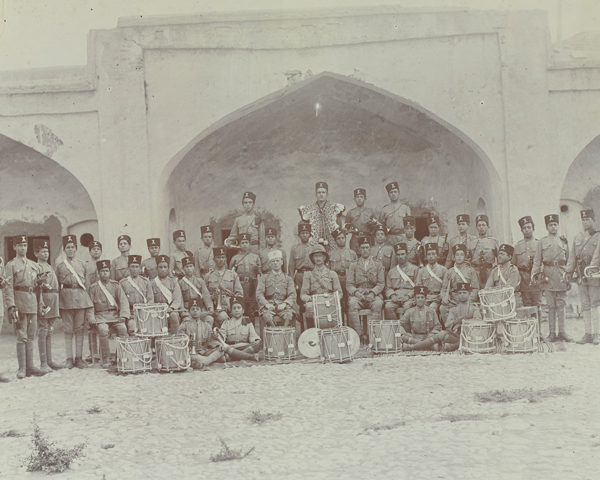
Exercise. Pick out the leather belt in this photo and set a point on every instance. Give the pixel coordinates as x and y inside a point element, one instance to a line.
<point>19,288</point>
<point>556,263</point>
<point>524,269</point>
<point>52,290</point>
<point>246,279</point>
<point>74,287</point>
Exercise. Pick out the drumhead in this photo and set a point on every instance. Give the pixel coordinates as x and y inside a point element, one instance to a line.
<point>353,341</point>
<point>308,343</point>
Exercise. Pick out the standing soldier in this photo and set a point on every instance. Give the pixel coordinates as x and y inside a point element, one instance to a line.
<point>505,273</point>
<point>432,277</point>
<point>175,267</point>
<point>194,288</point>
<point>247,265</point>
<point>463,221</point>
<point>166,290</point>
<point>119,268</point>
<point>48,312</point>
<point>22,306</point>
<point>339,261</point>
<point>549,261</point>
<point>414,247</point>
<point>263,254</point>
<point>276,294</point>
<point>249,223</point>
<point>485,249</point>
<point>585,245</point>
<point>3,378</point>
<point>149,267</point>
<point>90,266</point>
<point>204,255</point>
<point>400,283</point>
<point>461,272</point>
<point>392,215</point>
<point>300,260</point>
<point>382,251</point>
<point>74,301</point>
<point>137,289</point>
<point>111,308</point>
<point>224,285</point>
<point>360,219</point>
<point>531,295</point>
<point>434,236</point>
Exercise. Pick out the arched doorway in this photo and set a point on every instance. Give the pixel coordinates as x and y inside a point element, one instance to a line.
<point>334,129</point>
<point>41,198</point>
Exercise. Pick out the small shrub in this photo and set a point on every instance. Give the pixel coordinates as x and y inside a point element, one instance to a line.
<point>94,409</point>
<point>47,457</point>
<point>258,418</point>
<point>11,433</point>
<point>227,453</point>
<point>506,396</point>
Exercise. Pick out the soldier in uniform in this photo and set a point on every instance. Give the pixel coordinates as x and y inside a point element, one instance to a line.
<point>137,289</point>
<point>550,260</point>
<point>300,261</point>
<point>48,312</point>
<point>276,294</point>
<point>461,272</point>
<point>464,310</point>
<point>263,254</point>
<point>22,305</point>
<point>339,261</point>
<point>585,245</point>
<point>166,290</point>
<point>149,268</point>
<point>434,237</point>
<point>365,284</point>
<point>483,255</point>
<point>531,295</point>
<point>111,308</point>
<point>360,219</point>
<point>412,244</point>
<point>204,255</point>
<point>243,343</point>
<point>392,215</point>
<point>95,248</point>
<point>249,223</point>
<point>205,349</point>
<point>247,265</point>
<point>74,301</point>
<point>463,221</point>
<point>432,277</point>
<point>400,283</point>
<point>224,285</point>
<point>193,287</point>
<point>382,251</point>
<point>119,268</point>
<point>420,323</point>
<point>319,280</point>
<point>505,273</point>
<point>3,378</point>
<point>175,267</point>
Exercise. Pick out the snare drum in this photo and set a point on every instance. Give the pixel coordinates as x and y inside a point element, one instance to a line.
<point>499,302</point>
<point>384,336</point>
<point>172,353</point>
<point>327,310</point>
<point>336,345</point>
<point>478,337</point>
<point>133,355</point>
<point>151,320</point>
<point>521,335</point>
<point>280,343</point>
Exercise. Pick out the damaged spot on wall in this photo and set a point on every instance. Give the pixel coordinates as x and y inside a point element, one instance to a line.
<point>48,139</point>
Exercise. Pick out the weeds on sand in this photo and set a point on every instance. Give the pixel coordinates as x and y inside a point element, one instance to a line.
<point>506,396</point>
<point>259,418</point>
<point>228,453</point>
<point>108,445</point>
<point>94,409</point>
<point>463,417</point>
<point>46,457</point>
<point>386,426</point>
<point>11,433</point>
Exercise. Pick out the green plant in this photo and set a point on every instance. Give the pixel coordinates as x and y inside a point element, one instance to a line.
<point>227,453</point>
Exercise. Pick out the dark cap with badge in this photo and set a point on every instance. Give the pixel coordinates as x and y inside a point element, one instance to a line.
<point>506,248</point>
<point>39,243</point>
<point>360,191</point>
<point>205,229</point>
<point>525,220</point>
<point>482,218</point>
<point>69,239</point>
<point>95,244</point>
<point>244,236</point>
<point>588,213</point>
<point>194,302</point>
<point>431,247</point>
<point>153,242</point>
<point>321,185</point>
<point>392,186</point>
<point>185,261</point>
<point>271,231</point>
<point>432,220</point>
<point>304,227</point>
<point>18,239</point>
<point>134,260</point>
<point>463,217</point>
<point>459,247</point>
<point>336,233</point>
<point>463,287</point>
<point>102,264</point>
<point>249,195</point>
<point>400,247</point>
<point>219,251</point>
<point>420,290</point>
<point>363,241</point>
<point>551,219</point>
<point>409,221</point>
<point>162,259</point>
<point>178,234</point>
<point>127,238</point>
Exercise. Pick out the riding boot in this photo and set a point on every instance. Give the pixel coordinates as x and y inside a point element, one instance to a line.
<point>79,363</point>
<point>31,369</point>
<point>51,364</point>
<point>22,359</point>
<point>587,322</point>
<point>595,314</point>
<point>239,355</point>
<point>69,349</point>
<point>551,325</point>
<point>562,335</point>
<point>43,357</point>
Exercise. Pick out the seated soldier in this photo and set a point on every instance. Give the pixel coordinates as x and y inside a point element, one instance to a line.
<point>319,280</point>
<point>204,348</point>
<point>247,265</point>
<point>464,310</point>
<point>461,272</point>
<point>400,284</point>
<point>223,285</point>
<point>419,323</point>
<point>193,287</point>
<point>136,288</point>
<point>271,240</point>
<point>431,276</point>
<point>175,267</point>
<point>276,294</point>
<point>166,290</point>
<point>505,273</point>
<point>111,308</point>
<point>242,341</point>
<point>365,284</point>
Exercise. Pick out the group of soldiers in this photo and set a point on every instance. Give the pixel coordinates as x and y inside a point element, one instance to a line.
<point>373,263</point>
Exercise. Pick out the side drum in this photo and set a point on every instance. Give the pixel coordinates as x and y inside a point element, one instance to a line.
<point>280,343</point>
<point>151,320</point>
<point>338,344</point>
<point>385,336</point>
<point>478,337</point>
<point>521,335</point>
<point>133,355</point>
<point>172,353</point>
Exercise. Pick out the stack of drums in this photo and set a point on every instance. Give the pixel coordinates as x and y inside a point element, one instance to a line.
<point>134,355</point>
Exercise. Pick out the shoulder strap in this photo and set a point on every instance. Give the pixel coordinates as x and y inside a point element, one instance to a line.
<point>433,274</point>
<point>74,273</point>
<point>134,285</point>
<point>164,290</point>
<point>107,294</point>
<point>404,276</point>
<point>192,286</point>
<point>460,274</point>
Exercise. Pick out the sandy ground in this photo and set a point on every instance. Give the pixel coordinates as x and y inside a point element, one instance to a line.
<point>381,417</point>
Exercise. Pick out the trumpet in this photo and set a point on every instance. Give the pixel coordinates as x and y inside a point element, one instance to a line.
<point>591,272</point>
<point>539,279</point>
<point>193,342</point>
<point>231,243</point>
<point>219,308</point>
<point>350,228</point>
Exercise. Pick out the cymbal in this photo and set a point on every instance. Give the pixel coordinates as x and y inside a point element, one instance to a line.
<point>353,341</point>
<point>308,343</point>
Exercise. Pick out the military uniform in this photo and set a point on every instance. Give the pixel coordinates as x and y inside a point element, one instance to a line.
<point>223,285</point>
<point>461,239</point>
<point>432,277</point>
<point>339,262</point>
<point>119,267</point>
<point>251,224</point>
<point>91,276</point>
<point>531,295</point>
<point>414,247</point>
<point>204,349</point>
<point>483,254</point>
<point>149,267</point>
<point>459,273</point>
<point>241,338</point>
<point>506,274</point>
<point>204,258</point>
<point>458,314</point>
<point>175,266</point>
<point>400,283</point>
<point>419,323</point>
<point>166,290</point>
<point>193,287</point>
<point>247,266</point>
<point>385,254</point>
<point>319,281</point>
<point>362,220</point>
<point>276,289</point>
<point>300,262</point>
<point>138,290</point>
<point>392,216</point>
<point>441,242</point>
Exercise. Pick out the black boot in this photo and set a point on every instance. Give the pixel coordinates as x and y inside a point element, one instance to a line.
<point>31,370</point>
<point>51,364</point>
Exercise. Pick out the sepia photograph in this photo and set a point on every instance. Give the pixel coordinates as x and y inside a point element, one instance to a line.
<point>284,239</point>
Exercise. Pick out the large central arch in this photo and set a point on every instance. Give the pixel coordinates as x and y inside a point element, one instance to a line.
<point>335,129</point>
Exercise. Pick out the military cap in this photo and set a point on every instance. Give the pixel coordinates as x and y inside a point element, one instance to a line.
<point>103,264</point>
<point>244,236</point>
<point>271,231</point>
<point>321,185</point>
<point>360,191</point>
<point>219,251</point>
<point>459,246</point>
<point>94,244</point>
<point>380,228</point>
<point>205,229</point>
<point>39,243</point>
<point>409,221</point>
<point>127,238</point>
<point>274,254</point>
<point>588,213</point>
<point>431,246</point>
<point>363,241</point>
<point>463,287</point>
<point>432,220</point>
<point>482,218</point>
<point>162,258</point>
<point>336,233</point>
<point>153,242</point>
<point>420,290</point>
<point>392,186</point>
<point>525,220</point>
<point>178,234</point>
<point>195,302</point>
<point>69,239</point>
<point>134,260</point>
<point>463,217</point>
<point>187,261</point>
<point>18,239</point>
<point>249,195</point>
<point>318,249</point>
<point>551,219</point>
<point>304,227</point>
<point>506,248</point>
<point>400,246</point>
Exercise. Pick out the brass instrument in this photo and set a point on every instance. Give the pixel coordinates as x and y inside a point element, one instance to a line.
<point>591,272</point>
<point>219,308</point>
<point>231,243</point>
<point>350,228</point>
<point>539,279</point>
<point>193,342</point>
